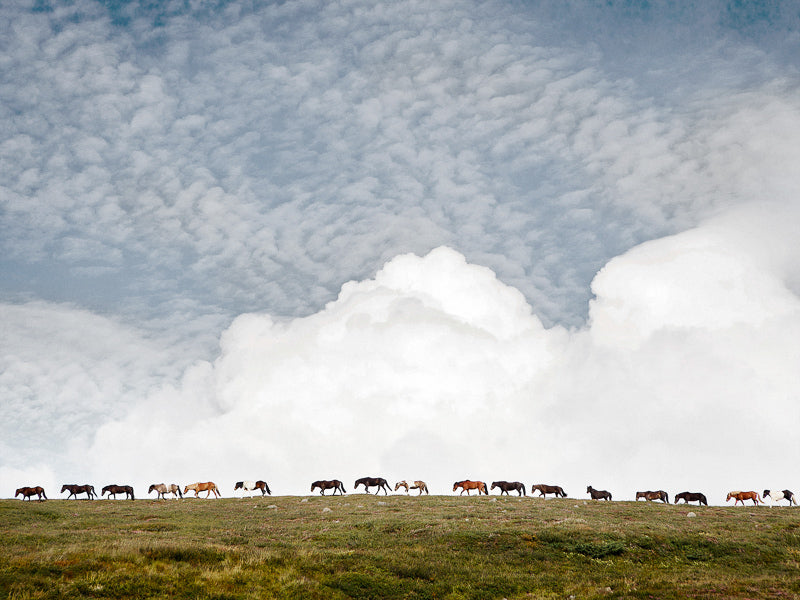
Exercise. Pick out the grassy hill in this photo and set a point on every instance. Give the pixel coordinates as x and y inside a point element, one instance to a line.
<point>360,546</point>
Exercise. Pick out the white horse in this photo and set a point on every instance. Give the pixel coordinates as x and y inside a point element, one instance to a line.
<point>776,496</point>
<point>163,490</point>
<point>415,485</point>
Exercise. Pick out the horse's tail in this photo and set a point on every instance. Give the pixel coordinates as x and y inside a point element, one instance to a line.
<point>266,485</point>
<point>132,496</point>
<point>524,493</point>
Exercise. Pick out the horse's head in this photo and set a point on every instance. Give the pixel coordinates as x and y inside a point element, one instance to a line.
<point>64,488</point>
<point>455,486</point>
<point>239,485</point>
<point>19,491</point>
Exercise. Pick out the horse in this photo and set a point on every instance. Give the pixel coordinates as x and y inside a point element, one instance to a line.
<point>598,494</point>
<point>657,495</point>
<point>113,490</point>
<point>691,497</point>
<point>208,486</point>
<point>548,489</point>
<point>327,484</point>
<point>369,482</point>
<point>777,496</point>
<point>417,485</point>
<point>468,485</point>
<point>74,490</point>
<point>163,490</point>
<point>27,492</point>
<point>249,486</point>
<point>742,496</point>
<point>507,486</point>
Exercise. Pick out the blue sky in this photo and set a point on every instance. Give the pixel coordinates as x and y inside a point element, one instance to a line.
<point>617,180</point>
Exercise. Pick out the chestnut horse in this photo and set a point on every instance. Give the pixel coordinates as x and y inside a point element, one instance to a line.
<point>468,485</point>
<point>657,495</point>
<point>742,496</point>
<point>417,485</point>
<point>548,489</point>
<point>27,492</point>
<point>691,497</point>
<point>74,490</point>
<point>327,484</point>
<point>163,490</point>
<point>369,482</point>
<point>507,486</point>
<point>208,486</point>
<point>113,490</point>
<point>598,494</point>
<point>777,496</point>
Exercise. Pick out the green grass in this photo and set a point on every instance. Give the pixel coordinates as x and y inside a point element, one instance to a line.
<point>395,547</point>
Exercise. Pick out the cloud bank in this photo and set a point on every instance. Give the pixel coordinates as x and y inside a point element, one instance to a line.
<point>435,369</point>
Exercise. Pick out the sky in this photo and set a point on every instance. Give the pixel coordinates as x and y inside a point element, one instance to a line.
<point>546,241</point>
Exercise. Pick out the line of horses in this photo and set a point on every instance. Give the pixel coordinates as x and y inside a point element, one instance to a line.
<point>381,484</point>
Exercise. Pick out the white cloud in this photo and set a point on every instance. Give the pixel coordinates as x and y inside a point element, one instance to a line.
<point>435,355</point>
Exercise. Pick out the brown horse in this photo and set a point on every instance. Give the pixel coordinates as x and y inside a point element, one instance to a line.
<point>657,495</point>
<point>414,485</point>
<point>327,484</point>
<point>27,492</point>
<point>369,482</point>
<point>691,497</point>
<point>113,490</point>
<point>468,485</point>
<point>74,490</point>
<point>208,486</point>
<point>598,494</point>
<point>162,490</point>
<point>507,486</point>
<point>742,496</point>
<point>548,489</point>
<point>249,486</point>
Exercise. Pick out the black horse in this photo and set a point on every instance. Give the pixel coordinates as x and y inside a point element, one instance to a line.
<point>113,490</point>
<point>691,497</point>
<point>323,485</point>
<point>598,494</point>
<point>74,490</point>
<point>507,486</point>
<point>369,482</point>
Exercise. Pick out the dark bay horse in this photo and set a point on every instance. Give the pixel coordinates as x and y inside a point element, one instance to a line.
<point>598,494</point>
<point>113,490</point>
<point>74,490</point>
<point>162,490</point>
<point>507,486</point>
<point>327,484</point>
<point>691,497</point>
<point>249,486</point>
<point>657,495</point>
<point>468,485</point>
<point>369,482</point>
<point>742,496</point>
<point>27,492</point>
<point>548,489</point>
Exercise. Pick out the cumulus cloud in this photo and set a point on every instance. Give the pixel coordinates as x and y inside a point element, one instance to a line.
<point>435,369</point>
